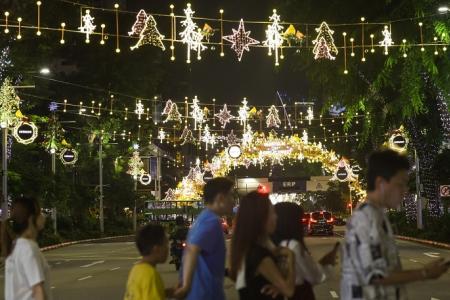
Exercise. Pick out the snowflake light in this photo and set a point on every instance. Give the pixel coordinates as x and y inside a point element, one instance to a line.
<point>53,106</point>
<point>240,40</point>
<point>273,119</point>
<point>191,35</point>
<point>387,41</point>
<point>232,138</point>
<point>224,116</point>
<point>140,110</point>
<point>324,46</point>
<point>197,113</point>
<point>274,35</point>
<point>88,26</point>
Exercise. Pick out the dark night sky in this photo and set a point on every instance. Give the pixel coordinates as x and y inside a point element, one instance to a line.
<point>226,79</point>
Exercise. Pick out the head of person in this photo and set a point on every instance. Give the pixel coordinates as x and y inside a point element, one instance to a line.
<point>387,177</point>
<point>151,240</point>
<point>255,223</point>
<point>26,220</point>
<point>289,223</point>
<point>218,194</point>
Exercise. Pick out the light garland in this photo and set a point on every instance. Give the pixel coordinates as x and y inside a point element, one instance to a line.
<point>324,46</point>
<point>9,104</point>
<point>191,35</point>
<point>68,156</point>
<point>240,40</point>
<point>25,132</point>
<point>139,24</point>
<point>88,26</point>
<point>272,118</point>
<point>387,41</point>
<point>135,165</point>
<point>224,116</point>
<point>208,138</point>
<point>274,37</point>
<point>173,114</point>
<point>150,35</point>
<point>398,140</point>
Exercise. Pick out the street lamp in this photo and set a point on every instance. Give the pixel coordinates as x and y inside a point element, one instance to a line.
<point>443,9</point>
<point>44,71</point>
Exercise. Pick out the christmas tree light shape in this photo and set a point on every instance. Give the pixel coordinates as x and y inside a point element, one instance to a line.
<point>9,104</point>
<point>88,26</point>
<point>135,165</point>
<point>319,50</point>
<point>197,113</point>
<point>174,114</point>
<point>208,138</point>
<point>167,108</point>
<point>243,113</point>
<point>387,41</point>
<point>187,136</point>
<point>247,137</point>
<point>273,119</point>
<point>191,35</point>
<point>274,35</point>
<point>240,40</point>
<point>161,135</point>
<point>141,19</point>
<point>224,116</point>
<point>305,136</point>
<point>140,110</point>
<point>150,35</point>
<point>170,195</point>
<point>309,115</point>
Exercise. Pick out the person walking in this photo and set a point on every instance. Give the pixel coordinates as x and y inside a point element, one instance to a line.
<point>289,233</point>
<point>254,257</point>
<point>26,269</point>
<point>371,267</point>
<point>203,268</point>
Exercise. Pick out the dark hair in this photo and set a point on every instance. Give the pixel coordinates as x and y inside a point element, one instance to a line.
<point>216,186</point>
<point>21,210</point>
<point>149,236</point>
<point>385,164</point>
<point>250,226</point>
<point>289,223</point>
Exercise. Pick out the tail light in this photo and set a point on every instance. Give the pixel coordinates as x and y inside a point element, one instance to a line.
<point>184,245</point>
<point>330,220</point>
<point>313,220</point>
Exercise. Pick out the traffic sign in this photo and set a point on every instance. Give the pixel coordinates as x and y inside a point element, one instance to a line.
<point>444,190</point>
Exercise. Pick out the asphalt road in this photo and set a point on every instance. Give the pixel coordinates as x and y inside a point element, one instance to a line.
<point>99,271</point>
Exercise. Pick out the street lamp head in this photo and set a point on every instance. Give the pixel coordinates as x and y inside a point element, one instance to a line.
<point>44,71</point>
<point>443,9</point>
<point>52,151</point>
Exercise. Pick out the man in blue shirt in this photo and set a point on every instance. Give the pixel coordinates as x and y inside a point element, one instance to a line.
<point>203,268</point>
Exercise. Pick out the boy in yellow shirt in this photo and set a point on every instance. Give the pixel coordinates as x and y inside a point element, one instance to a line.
<point>144,282</point>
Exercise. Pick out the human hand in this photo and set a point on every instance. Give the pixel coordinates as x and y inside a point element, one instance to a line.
<point>284,251</point>
<point>435,269</point>
<point>180,292</point>
<point>270,290</point>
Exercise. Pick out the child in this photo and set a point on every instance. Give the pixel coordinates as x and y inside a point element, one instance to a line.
<point>144,282</point>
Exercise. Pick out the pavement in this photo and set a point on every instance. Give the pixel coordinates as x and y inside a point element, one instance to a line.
<point>99,270</point>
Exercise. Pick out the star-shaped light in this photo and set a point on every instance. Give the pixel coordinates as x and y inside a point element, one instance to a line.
<point>53,106</point>
<point>232,138</point>
<point>241,40</point>
<point>224,116</point>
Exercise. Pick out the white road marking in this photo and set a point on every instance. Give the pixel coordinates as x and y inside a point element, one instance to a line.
<point>93,264</point>
<point>58,263</point>
<point>413,260</point>
<point>52,288</point>
<point>434,298</point>
<point>84,278</point>
<point>113,269</point>
<point>334,294</point>
<point>432,254</point>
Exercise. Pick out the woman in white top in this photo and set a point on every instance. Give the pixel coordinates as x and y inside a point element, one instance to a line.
<point>26,270</point>
<point>289,233</point>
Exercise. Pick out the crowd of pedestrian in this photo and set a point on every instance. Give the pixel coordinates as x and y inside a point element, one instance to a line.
<point>268,256</point>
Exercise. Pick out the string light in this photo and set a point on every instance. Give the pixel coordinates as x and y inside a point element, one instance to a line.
<point>404,48</point>
<point>344,34</point>
<point>421,37</point>
<point>274,38</point>
<point>116,7</point>
<point>353,53</point>
<point>6,30</point>
<point>102,40</point>
<point>363,59</point>
<point>173,28</point>
<point>38,32</point>
<point>240,40</point>
<point>19,35</point>
<point>222,54</point>
<point>63,26</point>
<point>372,49</point>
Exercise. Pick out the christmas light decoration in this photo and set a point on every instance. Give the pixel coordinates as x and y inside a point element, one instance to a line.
<point>150,35</point>
<point>240,40</point>
<point>243,113</point>
<point>173,114</point>
<point>187,137</point>
<point>232,138</point>
<point>68,156</point>
<point>305,136</point>
<point>140,110</point>
<point>247,137</point>
<point>274,37</point>
<point>197,113</point>
<point>234,151</point>
<point>145,178</point>
<point>398,140</point>
<point>208,138</point>
<point>324,46</point>
<point>309,115</point>
<point>161,135</point>
<point>87,26</point>
<point>272,118</point>
<point>167,108</point>
<point>53,106</point>
<point>135,165</point>
<point>25,132</point>
<point>9,104</point>
<point>191,35</point>
<point>139,24</point>
<point>387,41</point>
<point>224,116</point>
<point>170,195</point>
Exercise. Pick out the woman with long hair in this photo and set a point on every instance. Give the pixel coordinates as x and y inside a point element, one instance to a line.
<point>254,257</point>
<point>26,269</point>
<point>289,233</point>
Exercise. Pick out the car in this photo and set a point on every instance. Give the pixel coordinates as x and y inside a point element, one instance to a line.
<point>306,222</point>
<point>321,222</point>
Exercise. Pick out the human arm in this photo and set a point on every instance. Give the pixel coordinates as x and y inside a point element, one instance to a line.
<point>270,271</point>
<point>38,291</point>
<point>189,263</point>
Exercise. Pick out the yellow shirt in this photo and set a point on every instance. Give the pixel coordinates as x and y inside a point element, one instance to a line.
<point>144,283</point>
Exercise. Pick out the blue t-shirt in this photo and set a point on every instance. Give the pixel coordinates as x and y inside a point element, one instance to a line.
<point>207,234</point>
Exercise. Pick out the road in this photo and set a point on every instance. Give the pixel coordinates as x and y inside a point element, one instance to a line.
<point>99,271</point>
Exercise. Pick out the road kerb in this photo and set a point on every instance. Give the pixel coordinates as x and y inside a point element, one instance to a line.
<point>66,244</point>
<point>424,242</point>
